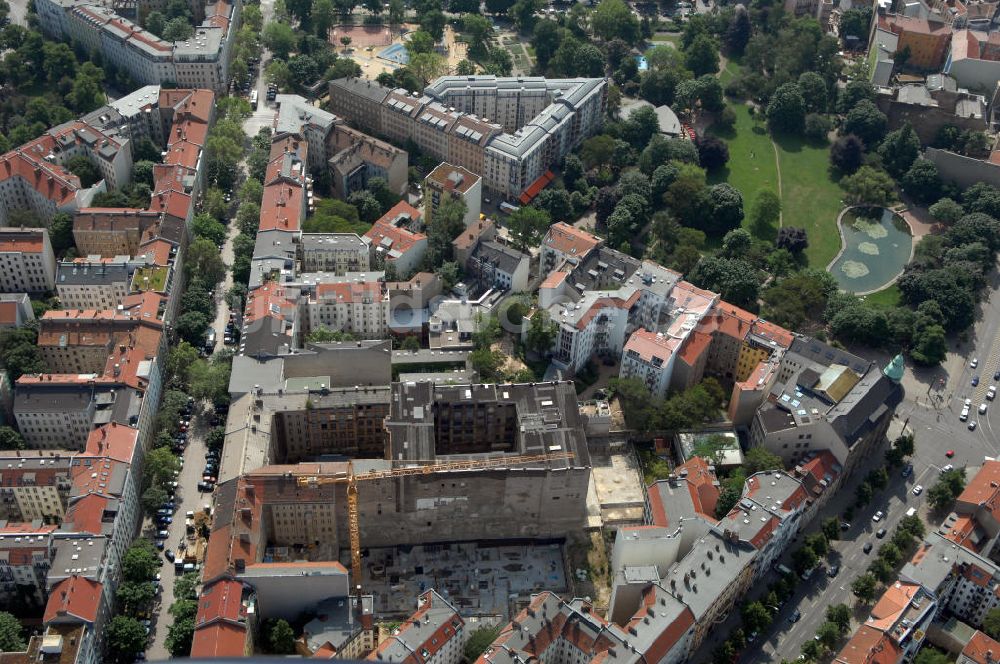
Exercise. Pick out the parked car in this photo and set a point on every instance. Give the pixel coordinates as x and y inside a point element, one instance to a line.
<point>948,468</point>
<point>845,525</point>
<point>161,535</point>
<point>917,490</point>
<point>881,533</point>
<point>991,393</point>
<point>164,520</point>
<point>972,425</point>
<point>878,516</point>
<point>867,548</point>
<point>907,471</point>
<point>975,380</point>
<point>169,555</point>
<point>833,571</point>
<point>974,363</point>
<point>795,616</point>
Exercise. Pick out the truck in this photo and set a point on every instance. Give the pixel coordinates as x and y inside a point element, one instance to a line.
<point>508,208</point>
<point>253,100</point>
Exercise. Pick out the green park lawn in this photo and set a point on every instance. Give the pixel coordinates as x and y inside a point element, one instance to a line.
<point>886,298</point>
<point>810,198</point>
<point>751,164</point>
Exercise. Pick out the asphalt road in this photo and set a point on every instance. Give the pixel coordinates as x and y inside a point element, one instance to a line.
<point>191,473</point>
<point>264,115</point>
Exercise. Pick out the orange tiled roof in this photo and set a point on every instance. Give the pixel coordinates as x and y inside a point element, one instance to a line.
<point>981,649</point>
<point>73,598</point>
<point>220,640</point>
<point>569,240</point>
<point>983,490</point>
<point>113,440</point>
<point>696,344</point>
<point>554,280</point>
<point>350,293</point>
<point>891,605</point>
<point>281,207</point>
<point>869,646</point>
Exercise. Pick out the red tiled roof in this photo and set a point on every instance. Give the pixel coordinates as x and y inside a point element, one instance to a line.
<point>569,240</point>
<point>220,640</point>
<point>112,440</point>
<point>8,313</point>
<point>350,293</point>
<point>648,345</point>
<point>983,490</point>
<point>87,514</point>
<point>554,280</point>
<point>536,187</point>
<point>695,345</point>
<point>13,240</point>
<point>981,649</point>
<point>74,598</point>
<point>281,207</point>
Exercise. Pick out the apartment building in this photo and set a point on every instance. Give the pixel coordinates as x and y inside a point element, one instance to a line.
<point>825,398</point>
<point>974,60</point>
<point>435,634</point>
<point>337,253</point>
<point>343,628</point>
<point>93,282</point>
<point>15,310</point>
<point>110,232</point>
<point>27,263</point>
<point>927,39</point>
<point>450,181</point>
<point>396,239</point>
<point>497,266</point>
<point>34,485</point>
<point>360,308</point>
<point>507,130</point>
<point>25,553</point>
<point>467,242</point>
<point>564,246</point>
<point>357,158</point>
<point>201,61</point>
<point>54,416</point>
<point>299,118</point>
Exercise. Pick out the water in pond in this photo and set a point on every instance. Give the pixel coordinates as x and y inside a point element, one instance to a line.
<point>876,248</point>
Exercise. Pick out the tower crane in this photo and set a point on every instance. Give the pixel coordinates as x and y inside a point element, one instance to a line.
<point>351,479</point>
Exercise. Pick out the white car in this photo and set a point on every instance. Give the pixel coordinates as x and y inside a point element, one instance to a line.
<point>917,490</point>
<point>991,393</point>
<point>878,516</point>
<point>982,408</point>
<point>965,414</point>
<point>974,363</point>
<point>968,403</point>
<point>972,425</point>
<point>948,468</point>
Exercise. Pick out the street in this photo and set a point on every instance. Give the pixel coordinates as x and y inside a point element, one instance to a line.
<point>188,496</point>
<point>264,115</point>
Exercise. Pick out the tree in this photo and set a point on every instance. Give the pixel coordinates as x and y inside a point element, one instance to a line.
<point>793,239</point>
<point>804,558</point>
<point>641,125</point>
<point>863,587</point>
<point>526,226</point>
<point>134,596</point>
<point>869,186</point>
<point>82,168</point>
<point>160,466</point>
<point>946,211</point>
<point>738,31</point>
<point>281,638</point>
<point>991,624</point>
<point>839,615</point>
<point>866,122</point>
<point>180,636</point>
<point>817,127</point>
<point>613,18</point>
<point>814,92</point>
<point>203,260</point>
<point>204,226</point>
<point>61,233</point>
<point>724,209</point>
<point>10,439</point>
<point>899,150</point>
<point>546,37</point>
<point>760,459</point>
<point>787,110</point>
<point>923,182</point>
<point>713,153</point>
<point>303,70</point>
<point>829,634</point>
<point>153,498</point>
<point>279,38</point>
<point>433,22</point>
<point>523,14</point>
<point>847,153</point>
<point>479,640</point>
<point>756,616</point>
<point>855,22</point>
<point>86,94</point>
<point>11,639</point>
<point>831,528</point>
<point>818,543</point>
<point>324,15</point>
<point>177,29</point>
<point>735,279</point>
<point>125,637</point>
<point>702,56</point>
<point>191,327</point>
<point>501,63</point>
<point>397,11</point>
<point>156,22</point>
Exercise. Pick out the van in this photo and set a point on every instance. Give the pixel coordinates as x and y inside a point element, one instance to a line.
<point>188,567</point>
<point>911,512</point>
<point>253,100</point>
<point>179,564</point>
<point>782,569</point>
<point>210,341</point>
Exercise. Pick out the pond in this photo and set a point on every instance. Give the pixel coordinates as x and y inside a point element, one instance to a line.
<point>877,245</point>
